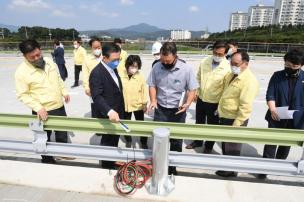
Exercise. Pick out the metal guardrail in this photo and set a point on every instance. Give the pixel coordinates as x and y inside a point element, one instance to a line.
<point>177,130</point>
<point>160,183</point>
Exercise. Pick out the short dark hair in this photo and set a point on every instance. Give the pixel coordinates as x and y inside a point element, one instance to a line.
<point>28,46</point>
<point>133,59</point>
<point>295,56</point>
<point>117,40</point>
<point>233,42</point>
<point>93,40</point>
<point>78,40</point>
<point>168,48</point>
<point>109,48</point>
<point>221,44</point>
<point>56,42</point>
<point>244,55</point>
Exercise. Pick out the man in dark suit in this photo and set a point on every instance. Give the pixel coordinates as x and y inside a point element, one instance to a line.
<point>286,88</point>
<point>58,57</point>
<point>106,90</point>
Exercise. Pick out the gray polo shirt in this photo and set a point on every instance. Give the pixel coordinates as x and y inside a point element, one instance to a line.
<point>170,84</point>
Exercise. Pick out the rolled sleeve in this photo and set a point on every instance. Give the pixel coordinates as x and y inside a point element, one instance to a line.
<point>192,83</point>
<point>151,79</point>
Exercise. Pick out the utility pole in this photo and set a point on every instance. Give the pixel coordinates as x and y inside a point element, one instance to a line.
<point>50,34</point>
<point>271,31</point>
<point>2,33</point>
<point>26,36</point>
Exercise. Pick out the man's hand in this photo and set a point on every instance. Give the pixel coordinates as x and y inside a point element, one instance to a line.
<point>42,114</point>
<point>153,105</point>
<point>274,114</point>
<point>113,116</point>
<point>182,109</point>
<point>88,93</point>
<point>67,98</point>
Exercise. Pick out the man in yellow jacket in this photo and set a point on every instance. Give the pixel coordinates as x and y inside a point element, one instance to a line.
<point>90,62</point>
<point>40,87</point>
<point>79,56</point>
<point>123,56</point>
<point>240,89</point>
<point>210,77</point>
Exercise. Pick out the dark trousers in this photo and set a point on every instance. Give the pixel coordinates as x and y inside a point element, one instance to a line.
<point>111,141</point>
<point>78,69</point>
<point>108,140</point>
<point>229,148</point>
<point>274,151</point>
<point>168,115</point>
<point>60,136</point>
<point>139,116</point>
<point>93,111</point>
<point>205,113</point>
<point>63,71</point>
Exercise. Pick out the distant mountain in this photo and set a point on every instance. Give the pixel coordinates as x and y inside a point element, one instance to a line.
<point>12,28</point>
<point>141,30</point>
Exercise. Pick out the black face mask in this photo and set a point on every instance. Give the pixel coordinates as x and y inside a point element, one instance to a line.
<point>40,63</point>
<point>170,66</point>
<point>292,73</point>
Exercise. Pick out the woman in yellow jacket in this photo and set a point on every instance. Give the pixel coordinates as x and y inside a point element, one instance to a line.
<point>135,94</point>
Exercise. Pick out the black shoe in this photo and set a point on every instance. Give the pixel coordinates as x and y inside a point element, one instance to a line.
<point>226,173</point>
<point>262,176</point>
<point>207,151</point>
<point>110,165</point>
<point>128,144</point>
<point>75,85</point>
<point>172,170</point>
<point>144,146</point>
<point>48,160</point>
<point>194,144</point>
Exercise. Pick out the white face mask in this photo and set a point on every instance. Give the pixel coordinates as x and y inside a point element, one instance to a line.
<point>75,46</point>
<point>133,70</point>
<point>230,51</point>
<point>218,59</point>
<point>235,70</point>
<point>97,52</point>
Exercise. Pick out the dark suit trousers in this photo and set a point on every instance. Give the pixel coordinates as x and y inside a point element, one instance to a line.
<point>60,136</point>
<point>229,148</point>
<point>168,115</point>
<point>273,151</point>
<point>78,69</point>
<point>205,113</point>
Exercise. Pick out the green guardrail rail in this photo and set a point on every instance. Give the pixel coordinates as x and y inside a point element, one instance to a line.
<point>177,130</point>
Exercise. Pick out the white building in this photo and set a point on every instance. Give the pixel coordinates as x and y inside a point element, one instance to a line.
<point>289,12</point>
<point>180,34</point>
<point>260,15</point>
<point>238,20</point>
<point>84,38</point>
<point>205,35</point>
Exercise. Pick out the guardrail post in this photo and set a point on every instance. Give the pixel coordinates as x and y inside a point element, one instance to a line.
<point>161,183</point>
<point>40,137</point>
<point>301,163</point>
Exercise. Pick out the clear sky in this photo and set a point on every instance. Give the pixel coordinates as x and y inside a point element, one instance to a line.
<point>106,14</point>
